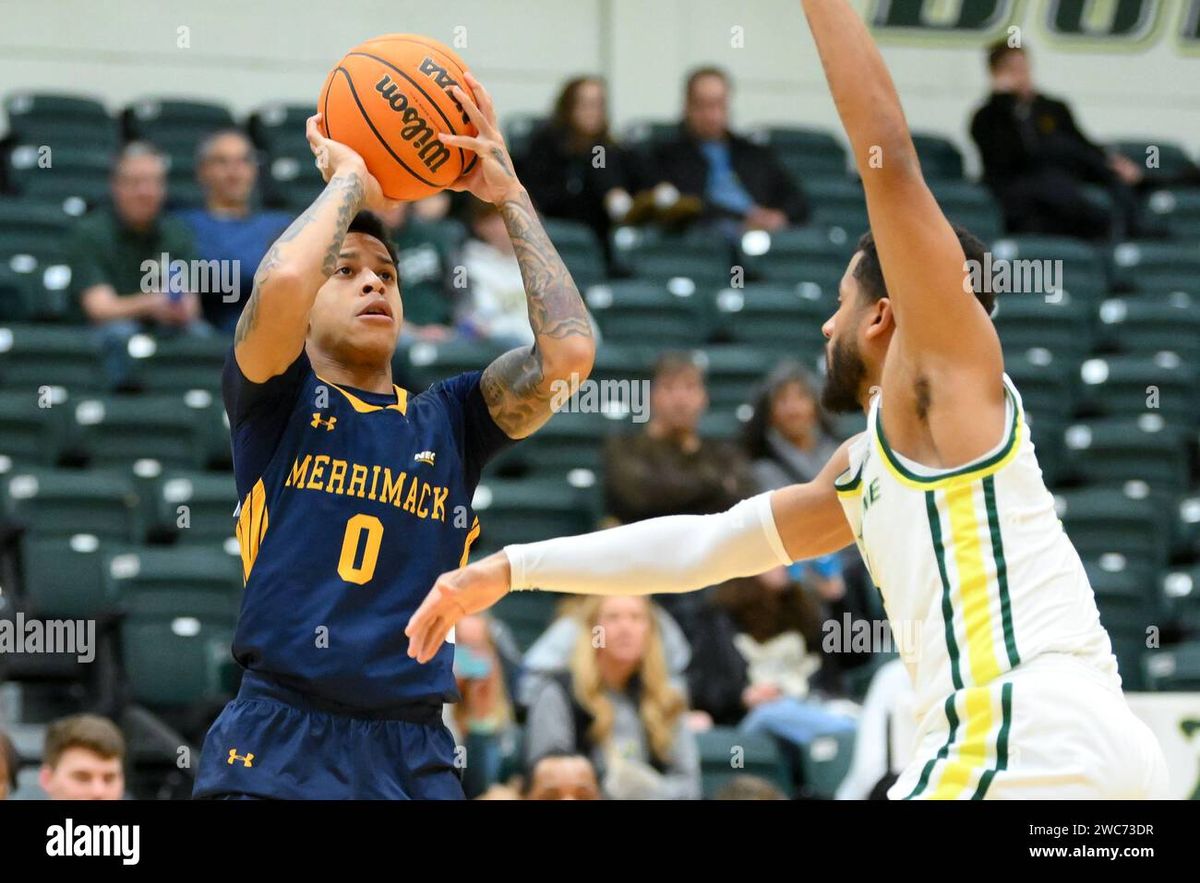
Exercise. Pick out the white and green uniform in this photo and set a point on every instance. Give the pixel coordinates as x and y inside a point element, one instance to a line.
<point>1017,691</point>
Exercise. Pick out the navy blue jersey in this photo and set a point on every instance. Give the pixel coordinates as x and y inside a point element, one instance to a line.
<point>352,504</point>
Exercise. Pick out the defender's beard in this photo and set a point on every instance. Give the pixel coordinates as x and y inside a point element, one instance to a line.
<point>845,374</point>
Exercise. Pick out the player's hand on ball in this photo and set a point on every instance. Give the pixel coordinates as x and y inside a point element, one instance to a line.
<point>492,178</point>
<point>456,594</point>
<point>333,157</point>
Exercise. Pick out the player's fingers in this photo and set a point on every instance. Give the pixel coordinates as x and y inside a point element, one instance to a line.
<point>476,116</point>
<point>438,638</point>
<point>312,131</point>
<point>482,97</point>
<point>471,143</point>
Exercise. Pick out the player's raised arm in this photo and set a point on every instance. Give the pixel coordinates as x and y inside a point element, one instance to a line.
<point>940,327</point>
<point>270,333</point>
<point>675,553</point>
<point>520,385</point>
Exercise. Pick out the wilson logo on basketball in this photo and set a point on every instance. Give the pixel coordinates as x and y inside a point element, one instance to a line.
<point>443,81</point>
<point>432,152</point>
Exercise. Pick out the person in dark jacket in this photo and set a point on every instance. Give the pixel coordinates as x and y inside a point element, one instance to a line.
<point>1036,160</point>
<point>736,180</point>
<point>573,168</point>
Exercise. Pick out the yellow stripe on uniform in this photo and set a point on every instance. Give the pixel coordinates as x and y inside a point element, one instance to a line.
<point>970,757</point>
<point>252,526</point>
<point>472,534</point>
<point>973,584</point>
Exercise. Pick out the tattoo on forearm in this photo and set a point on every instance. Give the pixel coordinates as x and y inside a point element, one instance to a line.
<point>347,193</point>
<point>514,386</point>
<point>498,156</point>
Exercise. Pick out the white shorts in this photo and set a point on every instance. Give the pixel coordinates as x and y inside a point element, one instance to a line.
<point>1050,729</point>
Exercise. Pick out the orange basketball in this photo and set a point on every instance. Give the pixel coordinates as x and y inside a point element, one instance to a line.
<point>388,99</point>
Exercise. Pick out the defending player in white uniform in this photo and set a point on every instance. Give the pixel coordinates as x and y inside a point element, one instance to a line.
<point>1018,694</point>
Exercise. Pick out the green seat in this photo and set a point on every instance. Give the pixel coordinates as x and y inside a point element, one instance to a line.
<point>175,126</point>
<point>1083,273</point>
<point>624,363</point>
<point>645,133</point>
<point>16,295</point>
<point>1047,430</point>
<point>1127,595</point>
<point>824,763</point>
<point>574,439</point>
<point>37,356</point>
<point>808,153</point>
<point>839,202</point>
<point>1045,381</point>
<point>527,614</point>
<point>722,425</point>
<point>671,314</point>
<point>1179,209</point>
<point>181,363</point>
<point>60,120</point>
<point>518,131</point>
<point>1172,162</point>
<point>725,753</point>
<point>1061,325</point>
<point>32,247</point>
<point>522,511</point>
<point>79,171</point>
<point>791,256</point>
<point>941,160</point>
<point>203,581</point>
<point>30,433</point>
<point>1130,386</point>
<point>64,577</point>
<point>292,182</point>
<point>176,661</point>
<point>120,430</point>
<point>277,122</point>
<point>210,500</point>
<point>65,502</point>
<point>1181,596</point>
<point>1157,266</point>
<point>579,249</point>
<point>1117,451</point>
<point>969,205</point>
<point>1103,521</point>
<point>428,362</point>
<point>733,374</point>
<point>783,320</point>
<point>699,255</point>
<point>1146,327</point>
<point>1174,668</point>
<point>1131,653</point>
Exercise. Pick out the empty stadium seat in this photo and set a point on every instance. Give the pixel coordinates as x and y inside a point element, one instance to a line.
<point>33,427</point>
<point>969,205</point>
<point>1174,668</point>
<point>1181,596</point>
<point>644,133</point>
<point>518,130</point>
<point>1171,162</point>
<point>1179,209</point>
<point>427,362</point>
<point>1157,266</point>
<point>276,124</point>
<point>1112,452</point>
<point>782,320</point>
<point>941,160</point>
<point>668,314</point>
<point>824,763</point>
<point>201,581</point>
<point>1151,325</point>
<point>838,202</point>
<point>1047,383</point>
<point>175,126</point>
<point>572,440</point>
<point>1129,386</point>
<point>702,256</point>
<point>1102,521</point>
<point>291,182</point>
<point>119,430</point>
<point>803,254</point>
<point>64,577</point>
<point>733,373</point>
<point>527,614</point>
<point>528,510</point>
<point>210,498</point>
<point>65,502</point>
<point>725,753</point>
<point>36,356</point>
<point>54,176</point>
<point>1084,273</point>
<point>1061,324</point>
<point>180,363</point>
<point>177,661</point>
<point>579,249</point>
<point>60,120</point>
<point>808,154</point>
<point>32,252</point>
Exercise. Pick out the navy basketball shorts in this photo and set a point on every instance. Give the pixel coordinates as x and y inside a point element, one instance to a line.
<point>273,742</point>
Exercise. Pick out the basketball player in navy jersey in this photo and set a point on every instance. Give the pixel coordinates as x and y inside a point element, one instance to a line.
<point>355,494</point>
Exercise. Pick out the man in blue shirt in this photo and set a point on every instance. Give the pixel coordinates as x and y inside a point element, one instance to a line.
<point>228,228</point>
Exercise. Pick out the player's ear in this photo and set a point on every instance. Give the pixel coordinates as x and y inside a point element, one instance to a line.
<point>881,319</point>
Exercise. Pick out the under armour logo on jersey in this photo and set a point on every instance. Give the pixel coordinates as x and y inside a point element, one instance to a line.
<point>317,422</point>
<point>425,457</point>
<point>246,759</point>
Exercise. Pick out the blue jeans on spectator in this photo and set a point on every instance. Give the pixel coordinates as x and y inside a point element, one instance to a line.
<point>795,720</point>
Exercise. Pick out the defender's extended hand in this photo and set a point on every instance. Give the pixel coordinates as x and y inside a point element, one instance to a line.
<point>456,594</point>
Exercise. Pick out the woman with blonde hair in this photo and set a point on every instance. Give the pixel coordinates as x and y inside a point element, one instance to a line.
<point>615,704</point>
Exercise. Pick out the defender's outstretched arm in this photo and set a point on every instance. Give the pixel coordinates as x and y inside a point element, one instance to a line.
<point>940,326</point>
<point>677,553</point>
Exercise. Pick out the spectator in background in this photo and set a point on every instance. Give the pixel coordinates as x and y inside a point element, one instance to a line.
<point>616,706</point>
<point>9,765</point>
<point>496,308</point>
<point>746,787</point>
<point>562,775</point>
<point>741,184</point>
<point>424,262</point>
<point>669,469</point>
<point>483,720</point>
<point>1036,161</point>
<point>83,759</point>
<point>229,228</point>
<point>789,439</point>
<point>109,252</point>
<point>575,170</point>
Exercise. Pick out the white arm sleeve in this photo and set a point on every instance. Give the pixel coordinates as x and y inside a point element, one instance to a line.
<point>677,553</point>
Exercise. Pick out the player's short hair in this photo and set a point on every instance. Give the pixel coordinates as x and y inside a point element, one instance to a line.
<point>673,362</point>
<point>1000,50</point>
<point>97,734</point>
<point>368,224</point>
<point>698,73</point>
<point>869,271</point>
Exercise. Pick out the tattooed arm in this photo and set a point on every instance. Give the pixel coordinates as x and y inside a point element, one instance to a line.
<point>519,386</point>
<point>270,333</point>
